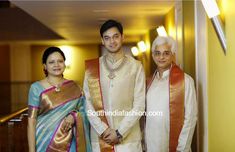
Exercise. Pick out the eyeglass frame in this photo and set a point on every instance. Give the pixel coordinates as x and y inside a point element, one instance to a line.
<point>159,54</point>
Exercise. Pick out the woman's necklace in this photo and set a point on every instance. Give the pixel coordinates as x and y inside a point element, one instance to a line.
<point>112,70</point>
<point>57,86</point>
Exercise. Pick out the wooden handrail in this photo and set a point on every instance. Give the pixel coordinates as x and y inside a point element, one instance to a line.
<point>12,115</point>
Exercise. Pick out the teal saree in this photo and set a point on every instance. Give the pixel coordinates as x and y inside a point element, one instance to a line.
<point>50,107</point>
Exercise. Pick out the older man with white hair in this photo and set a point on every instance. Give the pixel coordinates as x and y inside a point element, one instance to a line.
<point>171,96</point>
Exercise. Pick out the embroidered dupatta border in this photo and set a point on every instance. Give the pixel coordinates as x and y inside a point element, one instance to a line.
<point>93,71</point>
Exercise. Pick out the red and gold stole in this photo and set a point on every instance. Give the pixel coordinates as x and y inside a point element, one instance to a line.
<point>93,75</point>
<point>176,102</point>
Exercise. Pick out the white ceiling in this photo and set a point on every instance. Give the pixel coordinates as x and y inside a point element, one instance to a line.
<point>79,21</point>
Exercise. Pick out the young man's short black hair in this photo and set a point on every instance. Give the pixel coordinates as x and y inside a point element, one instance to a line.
<point>109,24</point>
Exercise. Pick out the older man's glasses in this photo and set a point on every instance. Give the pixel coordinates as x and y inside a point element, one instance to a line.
<point>164,54</point>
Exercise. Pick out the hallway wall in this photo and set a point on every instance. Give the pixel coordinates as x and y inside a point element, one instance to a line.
<point>76,71</point>
<point>20,56</point>
<point>188,38</point>
<point>221,83</point>
<point>20,65</point>
<point>182,15</point>
<point>5,90</point>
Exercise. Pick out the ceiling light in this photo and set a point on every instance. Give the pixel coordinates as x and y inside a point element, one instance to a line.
<point>67,50</point>
<point>142,46</point>
<point>211,8</point>
<point>135,51</point>
<point>161,31</point>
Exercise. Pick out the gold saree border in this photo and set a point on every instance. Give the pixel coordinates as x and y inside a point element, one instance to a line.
<point>32,112</point>
<point>51,99</point>
<point>80,133</point>
<point>61,140</point>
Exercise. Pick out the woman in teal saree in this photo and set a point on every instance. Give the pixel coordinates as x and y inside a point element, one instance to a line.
<point>57,119</point>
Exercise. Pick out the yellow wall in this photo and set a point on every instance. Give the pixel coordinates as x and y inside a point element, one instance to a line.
<point>189,48</point>
<point>76,71</point>
<point>171,31</point>
<point>36,62</point>
<point>186,55</point>
<point>188,38</point>
<point>81,53</point>
<point>145,57</point>
<point>152,36</point>
<point>170,23</point>
<point>148,55</point>
<point>221,83</point>
<point>20,56</point>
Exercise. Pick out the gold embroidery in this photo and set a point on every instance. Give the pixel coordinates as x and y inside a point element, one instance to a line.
<point>94,89</point>
<point>32,112</point>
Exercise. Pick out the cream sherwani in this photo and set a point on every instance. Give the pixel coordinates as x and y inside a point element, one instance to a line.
<point>126,92</point>
<point>157,127</point>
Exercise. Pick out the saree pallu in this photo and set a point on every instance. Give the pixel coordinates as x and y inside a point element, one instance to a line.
<point>52,111</point>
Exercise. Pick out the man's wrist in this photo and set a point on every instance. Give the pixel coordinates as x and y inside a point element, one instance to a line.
<point>102,133</point>
<point>119,136</point>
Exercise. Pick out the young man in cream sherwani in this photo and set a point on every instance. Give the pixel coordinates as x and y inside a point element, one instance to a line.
<point>114,83</point>
<point>171,96</point>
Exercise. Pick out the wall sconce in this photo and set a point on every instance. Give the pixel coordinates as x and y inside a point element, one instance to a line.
<point>135,51</point>
<point>142,46</point>
<point>161,31</point>
<point>213,12</point>
<point>68,54</point>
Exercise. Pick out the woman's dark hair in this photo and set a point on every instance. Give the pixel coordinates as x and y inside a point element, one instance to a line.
<point>48,52</point>
<point>109,24</point>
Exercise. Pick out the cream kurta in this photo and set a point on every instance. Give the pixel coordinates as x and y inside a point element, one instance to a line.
<point>125,92</point>
<point>157,127</point>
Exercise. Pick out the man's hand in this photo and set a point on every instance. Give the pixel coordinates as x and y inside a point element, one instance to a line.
<point>110,136</point>
<point>106,132</point>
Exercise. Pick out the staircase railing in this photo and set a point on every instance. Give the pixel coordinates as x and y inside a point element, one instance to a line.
<point>13,132</point>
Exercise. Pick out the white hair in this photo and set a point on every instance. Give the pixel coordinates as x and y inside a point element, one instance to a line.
<point>160,40</point>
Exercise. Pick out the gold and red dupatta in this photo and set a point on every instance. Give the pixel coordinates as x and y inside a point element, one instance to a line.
<point>93,72</point>
<point>177,92</point>
<point>176,103</point>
